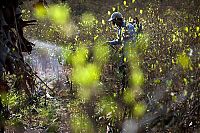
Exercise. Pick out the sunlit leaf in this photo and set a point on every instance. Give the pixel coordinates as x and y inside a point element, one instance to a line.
<point>157,81</point>
<point>141,11</point>
<point>88,19</point>
<point>185,81</point>
<point>101,53</point>
<point>40,11</point>
<point>174,98</point>
<point>95,38</point>
<point>133,1</point>
<point>173,62</point>
<point>186,29</point>
<point>142,42</point>
<point>103,21</point>
<point>114,9</point>
<point>109,13</point>
<point>125,59</point>
<point>67,54</point>
<point>87,76</point>
<point>59,14</point>
<point>160,69</point>
<point>173,37</point>
<point>183,60</point>
<point>139,110</point>
<point>185,93</point>
<point>135,9</point>
<point>80,56</point>
<point>132,57</point>
<point>125,3</point>
<point>129,96</point>
<point>137,78</point>
<point>195,35</point>
<point>96,21</point>
<point>197,28</point>
<point>161,20</point>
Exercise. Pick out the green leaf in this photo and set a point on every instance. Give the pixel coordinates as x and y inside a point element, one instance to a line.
<point>197,28</point>
<point>139,109</point>
<point>183,60</point>
<point>157,81</point>
<point>59,14</point>
<point>86,76</point>
<point>141,11</point>
<point>88,19</point>
<point>125,4</point>
<point>80,56</point>
<point>40,11</point>
<point>137,78</point>
<point>129,96</point>
<point>186,29</point>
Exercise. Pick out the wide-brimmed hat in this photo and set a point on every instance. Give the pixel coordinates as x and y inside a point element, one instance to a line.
<point>115,15</point>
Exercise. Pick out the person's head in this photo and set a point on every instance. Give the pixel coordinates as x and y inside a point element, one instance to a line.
<point>116,18</point>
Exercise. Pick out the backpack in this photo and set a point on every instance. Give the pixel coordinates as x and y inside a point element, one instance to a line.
<point>137,25</point>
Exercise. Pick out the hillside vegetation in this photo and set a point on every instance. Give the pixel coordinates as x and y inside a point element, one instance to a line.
<point>156,89</point>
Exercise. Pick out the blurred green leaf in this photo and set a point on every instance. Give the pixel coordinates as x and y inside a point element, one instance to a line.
<point>79,57</point>
<point>185,81</point>
<point>67,54</point>
<point>103,22</point>
<point>137,78</point>
<point>59,14</point>
<point>113,8</point>
<point>183,60</point>
<point>157,81</point>
<point>139,109</point>
<point>197,28</point>
<point>40,11</point>
<point>87,76</point>
<point>141,11</point>
<point>88,19</point>
<point>101,53</point>
<point>109,13</point>
<point>129,96</point>
<point>186,29</point>
<point>169,83</point>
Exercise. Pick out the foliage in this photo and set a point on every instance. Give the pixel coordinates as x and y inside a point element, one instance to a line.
<point>159,74</point>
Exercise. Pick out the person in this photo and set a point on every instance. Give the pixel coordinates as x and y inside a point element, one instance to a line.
<point>126,31</point>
